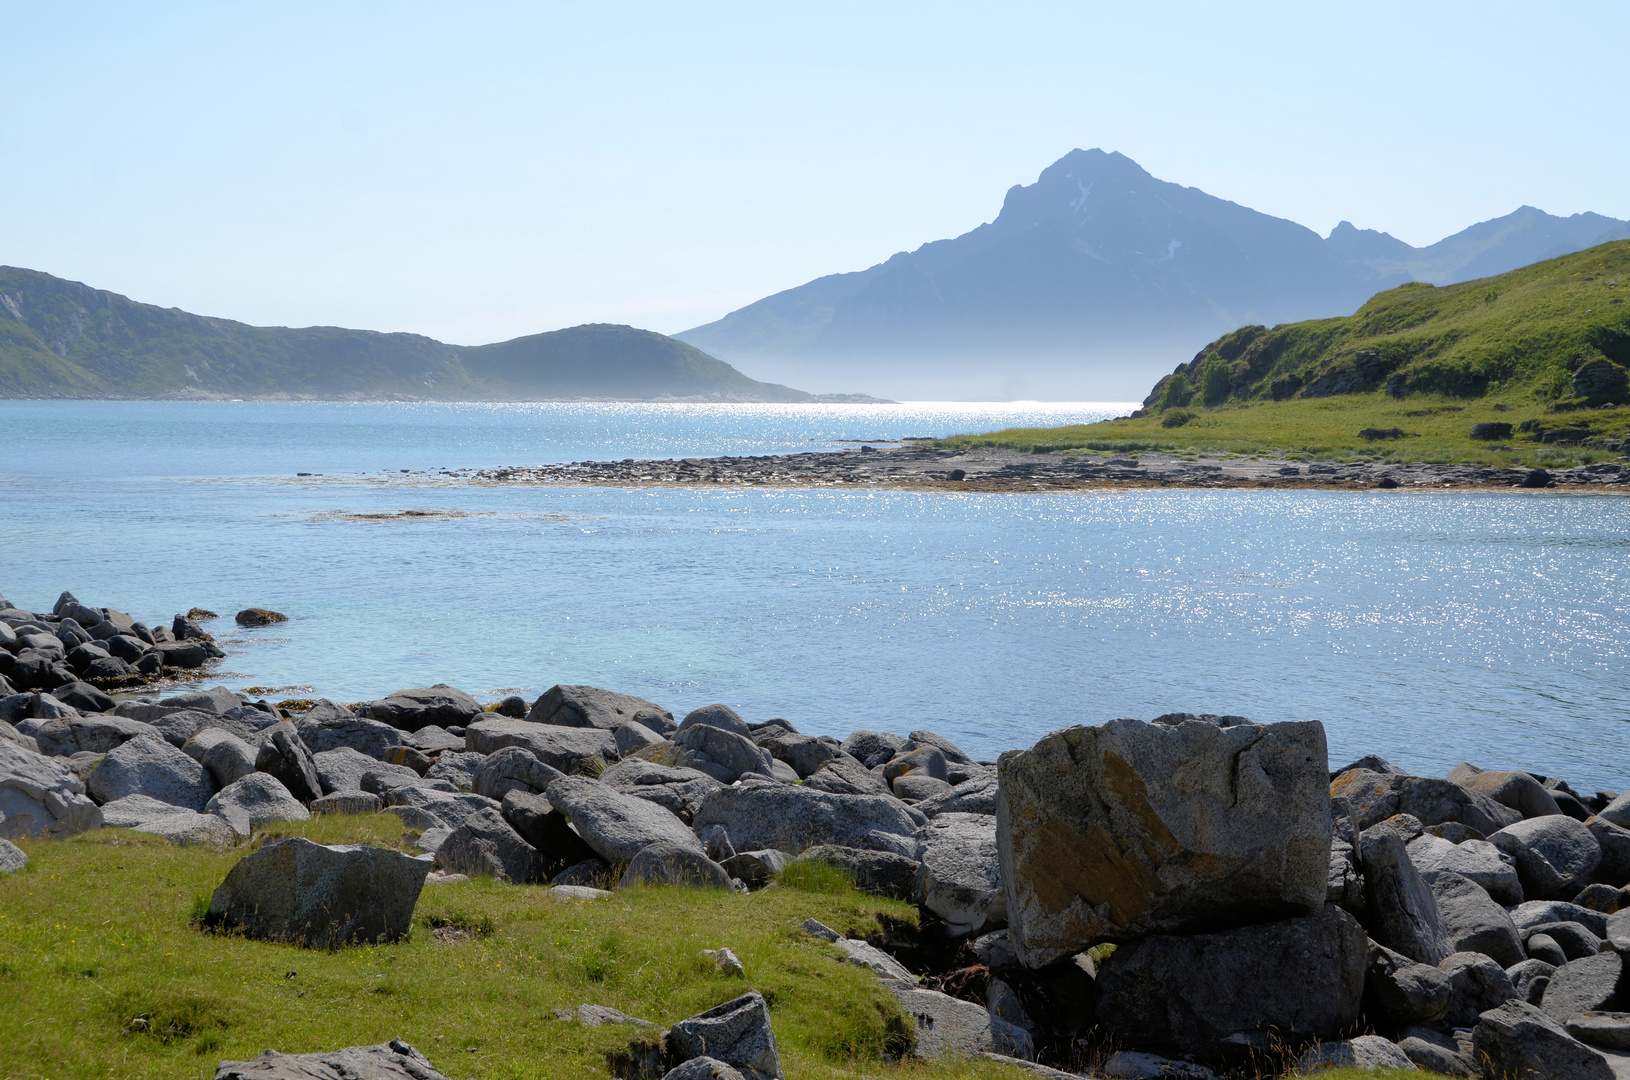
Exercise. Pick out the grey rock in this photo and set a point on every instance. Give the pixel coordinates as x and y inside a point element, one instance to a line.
<point>1532,913</point>
<point>737,1033</point>
<point>601,1015</point>
<point>1519,1040</point>
<point>1346,882</point>
<point>395,1060</point>
<point>1409,992</point>
<point>369,737</point>
<point>255,801</point>
<point>1476,985</point>
<point>1472,921</point>
<point>576,892</point>
<point>217,699</point>
<point>880,873</point>
<point>1586,985</point>
<point>285,756</point>
<point>722,717</point>
<point>223,755</point>
<point>1477,860</point>
<point>679,791</point>
<point>1600,897</point>
<point>12,735</point>
<point>562,748</point>
<point>727,962</point>
<point>666,862</point>
<point>702,1068</point>
<point>1555,855</point>
<point>1616,929</point>
<point>917,788</point>
<point>87,734</point>
<point>1403,911</point>
<point>1360,1052</point>
<point>1545,948</point>
<point>924,760</point>
<point>84,697</point>
<point>1131,1065</point>
<point>1186,994</point>
<point>1530,978</point>
<point>846,776</point>
<point>451,808</point>
<point>755,869</point>
<point>147,765</point>
<point>948,1027</point>
<point>960,879</point>
<point>907,847</point>
<point>952,753</point>
<point>1517,790</point>
<point>816,928</point>
<point>1605,1029</point>
<point>457,767</point>
<point>486,845</point>
<point>41,796</point>
<point>1617,810</point>
<point>179,726</point>
<point>348,802</point>
<point>513,768</point>
<point>791,818</point>
<point>411,710</point>
<point>176,824</point>
<point>616,826</point>
<point>737,755</point>
<point>1003,1003</point>
<point>585,874</point>
<point>632,737</point>
<point>12,857</point>
<point>343,768</point>
<point>805,753</point>
<point>432,740</point>
<point>592,707</point>
<point>995,950</point>
<point>320,896</point>
<point>1127,828</point>
<point>1574,940</point>
<point>1377,796</point>
<point>546,829</point>
<point>977,796</point>
<point>873,748</point>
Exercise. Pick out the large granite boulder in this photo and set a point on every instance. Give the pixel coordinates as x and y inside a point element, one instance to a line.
<point>1476,985</point>
<point>147,765</point>
<point>1476,860</point>
<point>1296,980</point>
<point>1614,840</point>
<point>873,748</point>
<point>721,754</point>
<point>805,753</point>
<point>948,1027</point>
<point>1404,914</point>
<point>880,873</point>
<point>42,796</point>
<point>411,710</point>
<point>325,729</point>
<point>223,755</point>
<point>1127,828</point>
<point>669,863</point>
<point>1376,796</point>
<point>719,716</point>
<point>1589,984</point>
<point>285,756</point>
<point>846,776</point>
<point>562,748</point>
<point>1555,855</point>
<point>679,791</point>
<point>255,801</point>
<point>1408,992</point>
<point>1472,921</point>
<point>960,877</point>
<point>12,857</point>
<point>176,824</point>
<point>395,1060</point>
<point>794,817</point>
<point>342,769</point>
<point>546,829</point>
<point>1362,1052</point>
<point>592,707</point>
<point>737,1033</point>
<point>319,896</point>
<point>486,845</point>
<point>1518,1040</point>
<point>1517,790</point>
<point>616,826</point>
<point>514,768</point>
<point>65,736</point>
<point>976,796</point>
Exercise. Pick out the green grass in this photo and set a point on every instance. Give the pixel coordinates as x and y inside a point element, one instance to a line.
<point>104,972</point>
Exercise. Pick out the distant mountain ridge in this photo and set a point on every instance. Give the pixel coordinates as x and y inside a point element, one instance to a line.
<point>64,339</point>
<point>1089,282</point>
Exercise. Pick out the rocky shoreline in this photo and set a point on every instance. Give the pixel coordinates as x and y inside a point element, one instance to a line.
<point>1194,896</point>
<point>918,465</point>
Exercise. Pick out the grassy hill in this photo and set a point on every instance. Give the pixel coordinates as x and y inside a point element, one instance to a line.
<point>1544,349</point>
<point>62,339</point>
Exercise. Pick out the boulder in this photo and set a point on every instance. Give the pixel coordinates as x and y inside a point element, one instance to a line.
<point>1532,913</point>
<point>546,829</point>
<point>1377,796</point>
<point>1403,912</point>
<point>1131,1065</point>
<point>178,726</point>
<point>12,857</point>
<point>84,697</point>
<point>1555,855</point>
<point>846,776</point>
<point>960,878</point>
<point>756,869</point>
<point>285,756</point>
<point>679,791</point>
<point>1589,984</point>
<point>631,738</point>
<point>1472,921</point>
<point>411,710</point>
<point>916,788</point>
<point>947,1027</point>
<point>1346,882</point>
<point>562,748</point>
<point>1544,947</point>
<point>872,748</point>
<point>41,796</point>
<point>1617,810</point>
<point>1530,978</point>
<point>451,808</point>
<point>217,699</point>
<point>1616,930</point>
<point>666,862</point>
<point>1128,828</point>
<point>486,845</point>
<point>1518,790</point>
<point>369,737</point>
<point>1476,985</point>
<point>513,768</point>
<point>1301,978</point>
<point>348,802</point>
<point>226,757</point>
<point>737,1033</point>
<point>805,753</point>
<point>1599,897</point>
<point>1408,992</point>
<point>85,734</point>
<point>702,1068</point>
<point>616,826</point>
<point>924,761</point>
<point>1605,1029</point>
<point>176,824</point>
<point>977,796</point>
<point>147,765</point>
<point>432,740</point>
<point>457,767</point>
<point>592,707</point>
<point>319,896</point>
<point>880,873</point>
<point>792,818</point>
<point>1477,860</point>
<point>719,716</point>
<point>720,753</point>
<point>395,1060</point>
<point>1518,1040</point>
<point>343,768</point>
<point>255,801</point>
<point>1360,1052</point>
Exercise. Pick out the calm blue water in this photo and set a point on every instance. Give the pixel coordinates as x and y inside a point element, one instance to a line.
<point>1430,628</point>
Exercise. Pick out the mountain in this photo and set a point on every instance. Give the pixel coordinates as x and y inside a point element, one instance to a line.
<point>63,339</point>
<point>1556,332</point>
<point>1086,283</point>
<point>1524,236</point>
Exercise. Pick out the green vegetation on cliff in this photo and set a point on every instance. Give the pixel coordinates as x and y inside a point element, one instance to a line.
<point>1406,378</point>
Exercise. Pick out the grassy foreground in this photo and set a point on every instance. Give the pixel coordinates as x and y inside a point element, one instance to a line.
<point>102,973</point>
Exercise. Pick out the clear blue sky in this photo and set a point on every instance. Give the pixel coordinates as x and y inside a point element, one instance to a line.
<point>479,171</point>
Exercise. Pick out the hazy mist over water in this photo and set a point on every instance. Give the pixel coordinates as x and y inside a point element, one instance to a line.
<point>1427,627</point>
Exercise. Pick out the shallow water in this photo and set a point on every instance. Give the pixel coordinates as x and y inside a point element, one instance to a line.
<point>1428,627</point>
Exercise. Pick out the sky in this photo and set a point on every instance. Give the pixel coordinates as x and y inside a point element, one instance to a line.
<point>480,171</point>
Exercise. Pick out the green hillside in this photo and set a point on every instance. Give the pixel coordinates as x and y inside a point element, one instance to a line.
<point>62,339</point>
<point>1544,349</point>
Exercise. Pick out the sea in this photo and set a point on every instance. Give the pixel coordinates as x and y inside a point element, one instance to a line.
<point>1429,627</point>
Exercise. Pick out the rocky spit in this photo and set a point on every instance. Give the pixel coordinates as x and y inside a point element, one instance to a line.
<point>919,465</point>
<point>1194,896</point>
